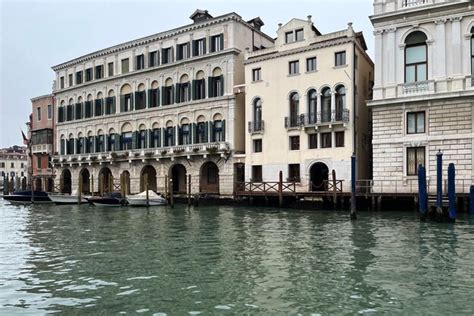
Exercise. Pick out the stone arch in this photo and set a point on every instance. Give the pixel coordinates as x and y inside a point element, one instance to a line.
<point>407,33</point>
<point>125,89</point>
<point>66,181</point>
<point>126,181</point>
<point>150,173</point>
<point>79,99</point>
<point>184,78</point>
<point>106,180</point>
<point>209,178</point>
<point>216,72</point>
<point>155,125</point>
<point>184,120</point>
<point>89,97</point>
<point>100,95</point>
<point>71,101</point>
<point>318,176</point>
<point>155,84</point>
<point>84,176</point>
<point>217,117</point>
<point>169,123</point>
<point>201,119</point>
<point>141,87</point>
<point>38,184</point>
<point>177,173</point>
<point>168,82</point>
<point>126,127</point>
<point>200,75</point>
<point>111,93</point>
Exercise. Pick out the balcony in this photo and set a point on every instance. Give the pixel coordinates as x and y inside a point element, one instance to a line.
<point>318,119</point>
<point>420,87</point>
<point>256,127</point>
<point>170,152</point>
<point>44,172</point>
<point>413,3</point>
<point>42,149</point>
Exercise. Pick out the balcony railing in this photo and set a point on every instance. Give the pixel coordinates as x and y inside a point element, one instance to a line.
<point>419,87</point>
<point>294,121</point>
<point>219,148</point>
<point>319,118</point>
<point>43,148</point>
<point>44,172</point>
<point>413,3</point>
<point>256,126</point>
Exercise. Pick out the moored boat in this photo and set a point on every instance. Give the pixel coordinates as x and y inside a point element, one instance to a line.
<point>27,197</point>
<point>141,200</point>
<point>72,198</point>
<point>109,199</point>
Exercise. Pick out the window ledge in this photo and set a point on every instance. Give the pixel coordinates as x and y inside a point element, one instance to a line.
<point>341,66</point>
<point>293,75</point>
<point>257,81</point>
<point>311,71</point>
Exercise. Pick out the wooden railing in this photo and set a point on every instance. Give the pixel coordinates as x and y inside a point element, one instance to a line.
<point>327,186</point>
<point>262,188</point>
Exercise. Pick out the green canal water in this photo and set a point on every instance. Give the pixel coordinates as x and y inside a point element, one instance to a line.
<point>231,260</point>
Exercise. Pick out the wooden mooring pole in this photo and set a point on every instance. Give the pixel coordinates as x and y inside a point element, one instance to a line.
<point>189,190</point>
<point>145,181</point>
<point>334,189</point>
<point>452,192</point>
<point>170,186</point>
<point>353,187</point>
<point>471,201</point>
<point>92,184</point>
<point>79,193</point>
<point>280,189</point>
<point>166,187</point>
<point>422,194</point>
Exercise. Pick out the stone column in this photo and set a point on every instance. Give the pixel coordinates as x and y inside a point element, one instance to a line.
<point>456,46</point>
<point>333,106</point>
<point>116,65</point>
<point>146,57</point>
<point>131,65</point>
<point>440,50</point>
<point>390,55</point>
<point>380,60</point>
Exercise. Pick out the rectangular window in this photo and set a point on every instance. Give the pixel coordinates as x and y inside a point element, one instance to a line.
<point>50,111</point>
<point>294,172</point>
<point>218,131</point>
<point>70,80</point>
<point>125,66</point>
<point>79,77</point>
<point>88,74</point>
<point>311,64</point>
<point>110,67</point>
<point>199,47</point>
<point>61,80</point>
<point>294,67</point>
<point>169,136</point>
<point>183,51</point>
<point>99,72</point>
<point>339,139</point>
<point>153,101</point>
<point>185,134</point>
<point>326,140</point>
<point>110,105</point>
<point>257,74</point>
<point>199,92</point>
<point>299,35</point>
<point>416,63</point>
<point>340,58</point>
<point>12,165</point>
<point>168,97</point>
<point>289,37</point>
<point>201,132</point>
<point>217,43</point>
<point>140,62</point>
<point>166,55</point>
<point>313,141</point>
<point>257,173</point>
<point>127,103</point>
<point>38,113</point>
<point>294,142</point>
<point>416,122</point>
<point>415,157</point>
<point>127,141</point>
<point>257,145</point>
<point>153,59</point>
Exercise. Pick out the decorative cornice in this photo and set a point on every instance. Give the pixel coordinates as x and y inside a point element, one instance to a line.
<point>159,37</point>
<point>41,97</point>
<point>311,47</point>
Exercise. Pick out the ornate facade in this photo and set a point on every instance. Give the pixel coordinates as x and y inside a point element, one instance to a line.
<point>163,105</point>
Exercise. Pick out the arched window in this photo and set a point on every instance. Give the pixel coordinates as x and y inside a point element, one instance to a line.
<point>257,114</point>
<point>326,105</point>
<point>416,57</point>
<point>126,98</point>
<point>294,109</point>
<point>312,97</point>
<point>340,102</point>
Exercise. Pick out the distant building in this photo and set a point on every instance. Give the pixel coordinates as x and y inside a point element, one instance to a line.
<point>162,106</point>
<point>424,91</point>
<point>42,142</point>
<point>306,107</point>
<point>13,164</point>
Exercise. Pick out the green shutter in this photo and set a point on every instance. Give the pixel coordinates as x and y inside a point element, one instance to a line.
<point>163,96</point>
<point>193,90</point>
<point>180,135</point>
<point>177,99</point>
<point>205,46</point>
<point>210,92</point>
<point>222,41</point>
<point>173,140</point>
<point>157,96</point>
<point>113,106</point>
<point>118,141</point>
<point>149,94</point>
<point>223,130</point>
<point>122,103</point>
<point>222,85</point>
<point>151,144</point>
<point>206,132</point>
<point>193,133</point>
<point>211,130</point>
<point>158,140</point>
<point>132,102</point>
<point>135,140</point>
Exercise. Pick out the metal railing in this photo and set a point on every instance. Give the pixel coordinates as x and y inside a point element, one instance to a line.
<point>413,3</point>
<point>320,118</point>
<point>256,126</point>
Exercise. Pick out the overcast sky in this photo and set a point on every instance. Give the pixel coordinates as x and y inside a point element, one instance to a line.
<point>35,35</point>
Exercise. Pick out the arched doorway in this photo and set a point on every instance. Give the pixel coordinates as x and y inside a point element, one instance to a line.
<point>209,178</point>
<point>85,176</point>
<point>105,181</point>
<point>178,175</point>
<point>318,173</point>
<point>38,185</point>
<point>50,185</point>
<point>126,182</point>
<point>150,172</point>
<point>66,182</point>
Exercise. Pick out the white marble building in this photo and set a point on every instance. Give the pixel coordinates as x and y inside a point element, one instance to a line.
<point>163,105</point>
<point>423,98</point>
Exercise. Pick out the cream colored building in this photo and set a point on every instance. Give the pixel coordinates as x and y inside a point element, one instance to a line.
<point>162,105</point>
<point>305,107</point>
<point>424,92</point>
